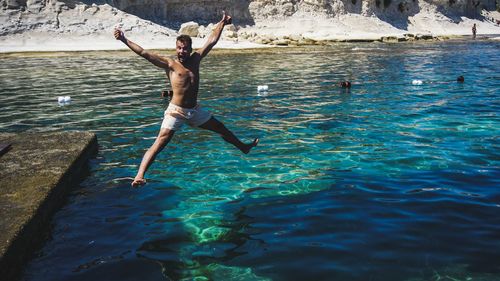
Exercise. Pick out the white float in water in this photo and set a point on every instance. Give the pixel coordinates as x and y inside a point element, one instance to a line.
<point>262,88</point>
<point>64,100</point>
<point>417,82</point>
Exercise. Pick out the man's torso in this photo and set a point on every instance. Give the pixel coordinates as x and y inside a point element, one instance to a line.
<point>185,79</point>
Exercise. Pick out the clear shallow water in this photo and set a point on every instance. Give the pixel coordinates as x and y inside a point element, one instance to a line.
<point>387,181</point>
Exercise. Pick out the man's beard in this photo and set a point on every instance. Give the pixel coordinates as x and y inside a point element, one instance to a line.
<point>183,58</point>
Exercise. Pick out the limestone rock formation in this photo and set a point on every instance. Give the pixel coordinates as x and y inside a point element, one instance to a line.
<point>251,11</point>
<point>190,28</point>
<point>280,22</point>
<point>74,17</point>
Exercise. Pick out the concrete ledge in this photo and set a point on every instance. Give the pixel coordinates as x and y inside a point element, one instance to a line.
<point>36,175</point>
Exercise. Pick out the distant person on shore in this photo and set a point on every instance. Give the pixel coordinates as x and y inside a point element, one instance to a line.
<point>183,73</point>
<point>474,31</point>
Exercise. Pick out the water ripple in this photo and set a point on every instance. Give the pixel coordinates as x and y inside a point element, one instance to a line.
<point>353,181</point>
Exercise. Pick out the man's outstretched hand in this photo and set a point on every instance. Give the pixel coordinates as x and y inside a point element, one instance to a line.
<point>119,35</point>
<point>226,18</point>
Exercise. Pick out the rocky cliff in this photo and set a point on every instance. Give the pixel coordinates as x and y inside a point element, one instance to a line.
<point>165,16</point>
<point>250,11</point>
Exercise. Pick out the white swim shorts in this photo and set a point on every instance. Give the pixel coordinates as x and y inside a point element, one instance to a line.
<point>175,116</point>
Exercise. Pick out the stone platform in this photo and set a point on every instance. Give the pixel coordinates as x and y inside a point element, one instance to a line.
<point>36,174</point>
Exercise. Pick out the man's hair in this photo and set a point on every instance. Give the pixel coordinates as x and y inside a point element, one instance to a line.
<point>345,84</point>
<point>185,39</point>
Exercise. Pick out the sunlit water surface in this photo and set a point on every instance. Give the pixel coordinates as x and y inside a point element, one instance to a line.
<point>387,181</point>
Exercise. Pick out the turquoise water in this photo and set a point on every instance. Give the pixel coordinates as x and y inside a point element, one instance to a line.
<point>387,181</point>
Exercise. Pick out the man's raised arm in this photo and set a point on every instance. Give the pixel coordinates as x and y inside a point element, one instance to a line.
<point>153,58</point>
<point>214,37</point>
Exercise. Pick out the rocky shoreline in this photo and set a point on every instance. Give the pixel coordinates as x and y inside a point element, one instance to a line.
<point>233,33</point>
<point>54,25</point>
<point>295,40</point>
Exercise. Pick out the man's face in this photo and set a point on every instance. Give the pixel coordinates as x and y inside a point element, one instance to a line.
<point>183,51</point>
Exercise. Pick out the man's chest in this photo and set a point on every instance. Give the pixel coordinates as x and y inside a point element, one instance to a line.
<point>184,74</point>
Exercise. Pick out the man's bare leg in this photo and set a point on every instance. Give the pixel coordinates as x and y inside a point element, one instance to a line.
<point>161,141</point>
<point>216,126</point>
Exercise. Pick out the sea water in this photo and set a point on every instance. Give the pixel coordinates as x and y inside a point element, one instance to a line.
<point>387,180</point>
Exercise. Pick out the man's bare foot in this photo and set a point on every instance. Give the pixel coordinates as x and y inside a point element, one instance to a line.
<point>249,146</point>
<point>138,182</point>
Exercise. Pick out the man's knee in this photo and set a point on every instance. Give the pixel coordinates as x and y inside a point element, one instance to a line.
<point>164,137</point>
<point>219,126</point>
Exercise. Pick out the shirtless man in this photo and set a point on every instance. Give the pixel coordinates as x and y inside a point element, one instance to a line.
<point>183,73</point>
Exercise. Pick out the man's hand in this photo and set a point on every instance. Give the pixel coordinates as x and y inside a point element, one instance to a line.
<point>215,35</point>
<point>226,18</point>
<point>119,35</point>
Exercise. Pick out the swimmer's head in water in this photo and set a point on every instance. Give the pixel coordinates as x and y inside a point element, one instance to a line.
<point>460,79</point>
<point>345,84</point>
<point>183,47</point>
